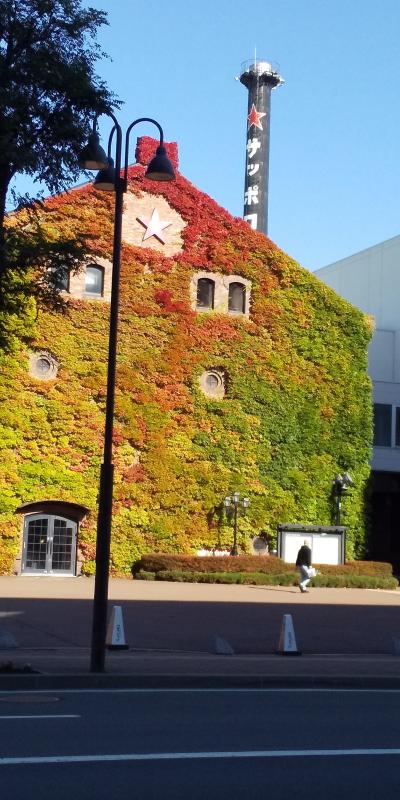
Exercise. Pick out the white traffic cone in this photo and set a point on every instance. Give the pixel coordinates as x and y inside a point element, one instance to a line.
<point>287,640</point>
<point>115,639</point>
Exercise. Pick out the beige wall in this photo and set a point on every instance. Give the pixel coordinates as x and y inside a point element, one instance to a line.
<point>136,208</point>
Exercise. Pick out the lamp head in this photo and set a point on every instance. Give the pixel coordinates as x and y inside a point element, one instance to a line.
<point>93,156</point>
<point>105,179</point>
<point>160,167</point>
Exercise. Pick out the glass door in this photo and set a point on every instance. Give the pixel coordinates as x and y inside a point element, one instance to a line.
<point>49,545</point>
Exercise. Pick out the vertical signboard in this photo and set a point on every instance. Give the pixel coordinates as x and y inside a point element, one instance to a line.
<point>260,78</point>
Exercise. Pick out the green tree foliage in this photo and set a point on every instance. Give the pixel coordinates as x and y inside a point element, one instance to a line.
<point>49,93</point>
<point>38,258</point>
<point>48,89</point>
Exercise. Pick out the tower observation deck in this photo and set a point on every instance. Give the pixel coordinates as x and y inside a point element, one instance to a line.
<point>259,77</point>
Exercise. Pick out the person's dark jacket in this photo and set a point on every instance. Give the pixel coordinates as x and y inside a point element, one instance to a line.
<point>303,557</point>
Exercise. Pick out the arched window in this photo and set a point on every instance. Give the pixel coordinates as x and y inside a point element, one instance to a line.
<point>237,297</point>
<point>205,293</point>
<point>94,281</point>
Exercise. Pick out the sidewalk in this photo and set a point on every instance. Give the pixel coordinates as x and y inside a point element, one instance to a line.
<point>347,636</point>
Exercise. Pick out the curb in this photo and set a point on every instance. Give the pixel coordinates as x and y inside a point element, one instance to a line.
<point>111,681</point>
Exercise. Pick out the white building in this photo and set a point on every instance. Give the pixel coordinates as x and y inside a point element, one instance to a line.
<point>371,280</point>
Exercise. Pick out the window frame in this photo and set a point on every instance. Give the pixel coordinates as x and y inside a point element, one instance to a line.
<point>391,437</point>
<point>34,357</point>
<point>50,550</point>
<point>99,269</point>
<point>221,293</point>
<point>243,287</point>
<point>217,392</point>
<point>397,426</point>
<point>211,284</point>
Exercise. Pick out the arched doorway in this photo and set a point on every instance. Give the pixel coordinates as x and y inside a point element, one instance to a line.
<point>49,545</point>
<point>50,537</point>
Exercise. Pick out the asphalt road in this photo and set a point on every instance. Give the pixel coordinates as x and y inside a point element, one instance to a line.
<point>221,744</point>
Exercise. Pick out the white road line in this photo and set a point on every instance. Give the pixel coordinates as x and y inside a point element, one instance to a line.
<point>200,755</point>
<point>40,716</point>
<point>265,690</point>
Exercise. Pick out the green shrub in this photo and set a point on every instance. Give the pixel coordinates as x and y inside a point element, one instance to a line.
<point>186,563</point>
<point>142,575</point>
<point>356,581</point>
<point>256,578</point>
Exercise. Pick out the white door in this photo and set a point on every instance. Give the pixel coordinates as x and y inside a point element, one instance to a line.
<point>49,545</point>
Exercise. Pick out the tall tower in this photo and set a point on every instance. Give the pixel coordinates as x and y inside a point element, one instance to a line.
<point>260,78</point>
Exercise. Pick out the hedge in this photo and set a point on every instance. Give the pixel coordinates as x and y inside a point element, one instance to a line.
<point>270,565</point>
<point>160,562</point>
<point>263,579</point>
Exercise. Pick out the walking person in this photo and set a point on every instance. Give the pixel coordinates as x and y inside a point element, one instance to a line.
<point>303,562</point>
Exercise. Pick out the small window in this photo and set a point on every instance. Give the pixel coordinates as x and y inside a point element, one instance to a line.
<point>205,293</point>
<point>59,279</point>
<point>43,366</point>
<point>94,281</point>
<point>213,382</point>
<point>397,427</point>
<point>237,298</point>
<point>383,425</point>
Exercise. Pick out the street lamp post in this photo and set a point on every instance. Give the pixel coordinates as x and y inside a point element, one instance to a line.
<point>341,484</point>
<point>232,505</point>
<point>110,179</point>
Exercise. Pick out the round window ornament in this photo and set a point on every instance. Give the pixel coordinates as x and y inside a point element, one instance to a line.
<point>212,383</point>
<point>43,366</point>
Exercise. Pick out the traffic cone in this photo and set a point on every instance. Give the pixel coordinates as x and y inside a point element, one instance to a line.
<point>287,640</point>
<point>115,639</point>
<point>222,647</point>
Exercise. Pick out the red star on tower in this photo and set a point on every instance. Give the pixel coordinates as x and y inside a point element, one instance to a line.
<point>255,116</point>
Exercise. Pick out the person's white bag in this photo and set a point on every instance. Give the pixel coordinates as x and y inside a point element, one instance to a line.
<point>311,572</point>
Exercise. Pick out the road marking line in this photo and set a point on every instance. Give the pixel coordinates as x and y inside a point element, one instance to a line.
<point>40,716</point>
<point>265,690</point>
<point>200,755</point>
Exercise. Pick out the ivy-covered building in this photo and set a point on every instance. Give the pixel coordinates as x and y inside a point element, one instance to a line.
<point>237,370</point>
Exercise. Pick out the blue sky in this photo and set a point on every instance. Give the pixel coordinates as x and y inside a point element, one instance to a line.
<point>334,162</point>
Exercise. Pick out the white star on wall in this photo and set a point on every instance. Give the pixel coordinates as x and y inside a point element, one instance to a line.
<point>154,226</point>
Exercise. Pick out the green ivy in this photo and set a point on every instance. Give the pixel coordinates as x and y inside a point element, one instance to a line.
<point>296,412</point>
